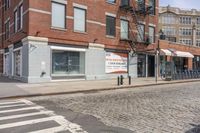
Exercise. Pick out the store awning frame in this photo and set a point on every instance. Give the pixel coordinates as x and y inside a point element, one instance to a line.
<point>176,53</point>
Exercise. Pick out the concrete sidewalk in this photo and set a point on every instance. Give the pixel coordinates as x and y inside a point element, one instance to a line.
<point>14,89</point>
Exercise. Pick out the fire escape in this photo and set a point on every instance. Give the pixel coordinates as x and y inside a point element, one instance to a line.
<point>135,11</point>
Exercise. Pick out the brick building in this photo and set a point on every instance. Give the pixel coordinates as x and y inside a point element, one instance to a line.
<point>181,28</point>
<point>44,40</point>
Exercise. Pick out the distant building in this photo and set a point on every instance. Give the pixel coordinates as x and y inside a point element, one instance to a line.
<point>181,27</point>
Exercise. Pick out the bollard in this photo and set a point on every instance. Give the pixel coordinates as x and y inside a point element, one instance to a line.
<point>118,81</point>
<point>122,79</point>
<point>129,80</point>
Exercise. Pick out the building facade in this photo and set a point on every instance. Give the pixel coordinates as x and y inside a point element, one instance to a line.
<point>44,40</point>
<point>181,27</point>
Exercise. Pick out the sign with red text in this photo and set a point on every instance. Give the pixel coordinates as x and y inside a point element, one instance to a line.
<point>116,62</point>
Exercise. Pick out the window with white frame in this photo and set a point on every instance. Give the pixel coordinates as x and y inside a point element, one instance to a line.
<point>58,15</point>
<point>141,32</point>
<point>169,31</point>
<point>7,4</point>
<point>198,20</point>
<point>151,34</point>
<point>185,20</point>
<point>15,21</point>
<point>7,29</point>
<point>152,4</point>
<point>198,43</point>
<point>79,19</point>
<point>124,29</point>
<point>111,1</point>
<point>185,41</point>
<point>168,18</point>
<point>198,32</point>
<point>20,17</point>
<point>185,31</point>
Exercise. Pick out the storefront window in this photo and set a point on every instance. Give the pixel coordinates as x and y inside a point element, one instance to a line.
<point>66,62</point>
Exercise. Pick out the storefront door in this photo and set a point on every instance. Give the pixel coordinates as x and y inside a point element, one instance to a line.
<point>6,67</point>
<point>151,66</point>
<point>141,65</point>
<point>17,63</point>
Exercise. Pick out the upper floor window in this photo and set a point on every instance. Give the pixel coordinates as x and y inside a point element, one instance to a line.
<point>7,4</point>
<point>7,29</point>
<point>79,19</point>
<point>20,18</point>
<point>110,26</point>
<point>124,29</point>
<point>15,21</point>
<point>186,41</point>
<point>152,4</point>
<point>111,1</point>
<point>185,31</point>
<point>141,32</point>
<point>125,2</point>
<point>168,18</point>
<point>185,20</point>
<point>198,32</point>
<point>198,20</point>
<point>169,31</point>
<point>58,15</point>
<point>151,34</point>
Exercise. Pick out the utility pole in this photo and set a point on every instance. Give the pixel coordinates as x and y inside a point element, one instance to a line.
<point>157,60</point>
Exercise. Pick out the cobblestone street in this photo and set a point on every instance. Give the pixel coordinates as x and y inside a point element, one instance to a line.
<point>160,109</point>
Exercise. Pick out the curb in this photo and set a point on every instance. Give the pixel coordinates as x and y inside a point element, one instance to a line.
<point>96,90</point>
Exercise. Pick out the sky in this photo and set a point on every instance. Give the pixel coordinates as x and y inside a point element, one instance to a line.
<point>188,4</point>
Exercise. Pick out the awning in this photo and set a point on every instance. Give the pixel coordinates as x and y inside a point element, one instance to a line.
<point>176,53</point>
<point>165,52</point>
<point>184,54</point>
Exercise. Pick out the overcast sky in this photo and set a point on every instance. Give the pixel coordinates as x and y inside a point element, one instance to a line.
<point>195,4</point>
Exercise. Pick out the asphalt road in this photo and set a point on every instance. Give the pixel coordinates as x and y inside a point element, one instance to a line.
<point>159,109</point>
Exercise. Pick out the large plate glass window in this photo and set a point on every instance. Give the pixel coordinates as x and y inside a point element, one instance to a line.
<point>67,62</point>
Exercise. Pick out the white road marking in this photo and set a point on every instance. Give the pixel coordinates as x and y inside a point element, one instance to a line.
<point>28,122</point>
<point>14,105</point>
<point>51,130</point>
<point>21,109</point>
<point>13,102</point>
<point>64,124</point>
<point>25,115</point>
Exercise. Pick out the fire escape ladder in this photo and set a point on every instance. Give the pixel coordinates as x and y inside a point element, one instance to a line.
<point>135,33</point>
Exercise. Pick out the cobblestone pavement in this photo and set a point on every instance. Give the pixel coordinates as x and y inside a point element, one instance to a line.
<point>159,109</point>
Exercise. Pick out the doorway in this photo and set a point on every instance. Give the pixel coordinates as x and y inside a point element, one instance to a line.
<point>151,66</point>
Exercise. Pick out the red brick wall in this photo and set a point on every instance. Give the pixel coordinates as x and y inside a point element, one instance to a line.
<point>14,37</point>
<point>95,12</point>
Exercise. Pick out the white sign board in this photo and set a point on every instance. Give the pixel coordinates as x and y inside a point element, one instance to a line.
<point>116,62</point>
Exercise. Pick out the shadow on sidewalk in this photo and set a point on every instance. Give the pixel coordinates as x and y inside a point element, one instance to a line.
<point>7,80</point>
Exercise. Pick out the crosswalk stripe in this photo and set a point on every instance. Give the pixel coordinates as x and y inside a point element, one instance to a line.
<point>21,109</point>
<point>13,102</point>
<point>25,115</point>
<point>28,122</point>
<point>51,130</point>
<point>17,105</point>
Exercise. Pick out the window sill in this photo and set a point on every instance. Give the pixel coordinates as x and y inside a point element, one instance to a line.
<point>111,3</point>
<point>112,37</point>
<point>81,32</point>
<point>60,29</point>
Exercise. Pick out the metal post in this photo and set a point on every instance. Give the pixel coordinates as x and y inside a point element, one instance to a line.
<point>157,60</point>
<point>122,79</point>
<point>118,81</point>
<point>129,80</point>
